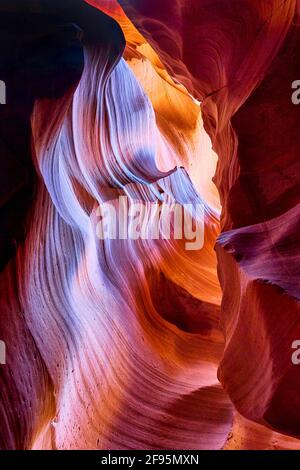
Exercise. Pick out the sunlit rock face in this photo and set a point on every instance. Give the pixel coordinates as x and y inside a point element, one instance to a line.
<point>118,343</point>
<point>245,63</point>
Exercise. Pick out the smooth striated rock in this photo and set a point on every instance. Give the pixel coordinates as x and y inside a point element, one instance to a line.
<point>119,343</point>
<point>242,72</point>
<point>122,373</point>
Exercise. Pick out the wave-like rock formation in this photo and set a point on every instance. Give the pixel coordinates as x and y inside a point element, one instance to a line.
<point>242,72</point>
<point>117,343</point>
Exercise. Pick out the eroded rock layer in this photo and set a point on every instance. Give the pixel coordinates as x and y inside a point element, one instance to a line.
<point>121,343</point>
<point>242,72</point>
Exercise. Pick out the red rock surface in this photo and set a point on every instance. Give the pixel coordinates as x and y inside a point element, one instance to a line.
<point>240,62</point>
<point>143,344</point>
